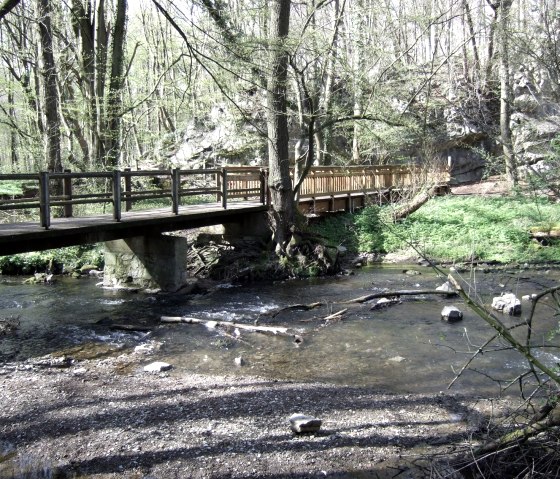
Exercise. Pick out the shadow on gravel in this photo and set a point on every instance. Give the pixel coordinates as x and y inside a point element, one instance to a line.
<point>265,408</point>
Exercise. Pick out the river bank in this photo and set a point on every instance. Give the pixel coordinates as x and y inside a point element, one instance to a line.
<point>102,416</point>
<point>109,419</point>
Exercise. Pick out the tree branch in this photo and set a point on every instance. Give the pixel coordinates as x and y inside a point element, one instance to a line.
<point>7,7</point>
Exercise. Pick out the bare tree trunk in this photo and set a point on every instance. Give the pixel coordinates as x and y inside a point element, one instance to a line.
<point>83,24</point>
<point>506,96</point>
<point>101,54</point>
<point>490,50</point>
<point>472,34</point>
<point>52,116</point>
<point>13,133</point>
<point>116,83</point>
<point>280,183</point>
<point>323,137</point>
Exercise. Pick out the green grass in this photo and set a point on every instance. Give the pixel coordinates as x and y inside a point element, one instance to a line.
<point>455,229</point>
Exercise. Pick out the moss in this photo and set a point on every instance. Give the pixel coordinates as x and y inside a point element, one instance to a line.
<point>55,261</point>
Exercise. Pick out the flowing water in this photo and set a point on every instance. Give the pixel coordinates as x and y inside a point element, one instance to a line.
<point>402,348</point>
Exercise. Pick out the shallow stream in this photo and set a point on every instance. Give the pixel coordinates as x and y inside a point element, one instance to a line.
<point>402,348</point>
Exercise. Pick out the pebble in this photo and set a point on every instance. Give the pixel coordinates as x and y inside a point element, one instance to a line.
<point>157,367</point>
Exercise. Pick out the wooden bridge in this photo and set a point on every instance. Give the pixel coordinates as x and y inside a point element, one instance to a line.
<point>62,209</point>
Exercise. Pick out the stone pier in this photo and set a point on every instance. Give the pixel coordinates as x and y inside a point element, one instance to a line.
<point>148,262</point>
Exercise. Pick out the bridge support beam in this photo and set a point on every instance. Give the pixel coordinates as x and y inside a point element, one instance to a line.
<point>152,262</point>
<point>252,226</point>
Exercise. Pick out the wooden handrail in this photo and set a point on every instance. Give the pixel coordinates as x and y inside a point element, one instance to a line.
<point>223,185</point>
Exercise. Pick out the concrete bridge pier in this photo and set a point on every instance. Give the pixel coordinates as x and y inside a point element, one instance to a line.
<point>148,262</point>
<point>159,261</point>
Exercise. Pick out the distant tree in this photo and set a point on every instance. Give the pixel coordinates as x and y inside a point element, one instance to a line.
<point>506,94</point>
<point>114,108</point>
<point>100,59</point>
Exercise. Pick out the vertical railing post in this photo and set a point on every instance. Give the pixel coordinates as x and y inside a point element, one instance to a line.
<point>127,190</point>
<point>262,178</point>
<point>224,188</point>
<point>67,193</point>
<point>117,195</point>
<point>44,200</point>
<point>219,186</point>
<point>176,189</point>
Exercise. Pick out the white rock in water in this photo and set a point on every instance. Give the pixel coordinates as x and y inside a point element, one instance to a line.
<point>157,367</point>
<point>451,314</point>
<point>507,303</point>
<point>447,288</point>
<point>301,423</point>
<point>397,359</point>
<point>529,297</point>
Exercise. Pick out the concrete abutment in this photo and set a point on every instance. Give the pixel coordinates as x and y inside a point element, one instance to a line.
<point>160,261</point>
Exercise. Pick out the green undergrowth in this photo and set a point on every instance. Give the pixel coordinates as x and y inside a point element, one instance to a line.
<point>454,229</point>
<point>56,260</point>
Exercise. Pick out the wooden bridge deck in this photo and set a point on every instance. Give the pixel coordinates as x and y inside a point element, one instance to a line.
<point>28,236</point>
<point>233,192</point>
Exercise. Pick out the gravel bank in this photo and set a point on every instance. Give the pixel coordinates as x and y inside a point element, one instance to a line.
<point>110,419</point>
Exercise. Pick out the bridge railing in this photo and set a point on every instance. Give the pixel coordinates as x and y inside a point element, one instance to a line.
<point>117,188</point>
<point>68,189</point>
<point>328,181</point>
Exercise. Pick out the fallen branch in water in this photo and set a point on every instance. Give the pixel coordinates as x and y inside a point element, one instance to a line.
<point>504,332</point>
<point>212,324</point>
<point>294,307</point>
<point>404,292</point>
<point>336,315</point>
<point>130,327</point>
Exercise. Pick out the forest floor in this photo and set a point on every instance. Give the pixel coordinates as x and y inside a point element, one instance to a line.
<point>494,185</point>
<point>108,418</point>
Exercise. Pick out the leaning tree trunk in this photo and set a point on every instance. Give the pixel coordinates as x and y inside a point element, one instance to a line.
<point>280,183</point>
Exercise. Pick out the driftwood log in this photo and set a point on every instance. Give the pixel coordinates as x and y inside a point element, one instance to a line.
<point>403,292</point>
<point>212,324</point>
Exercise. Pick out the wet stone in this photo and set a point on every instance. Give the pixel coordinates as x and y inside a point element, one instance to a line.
<point>157,367</point>
<point>451,314</point>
